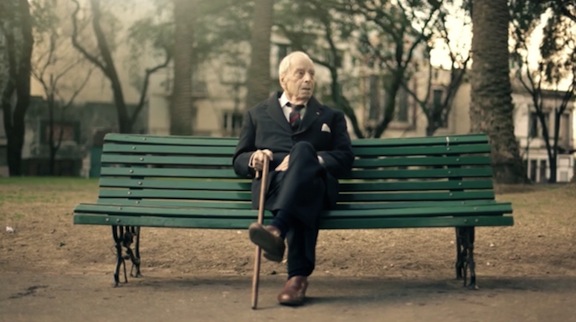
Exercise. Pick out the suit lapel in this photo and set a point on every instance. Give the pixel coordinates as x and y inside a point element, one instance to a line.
<point>313,111</point>
<point>275,111</point>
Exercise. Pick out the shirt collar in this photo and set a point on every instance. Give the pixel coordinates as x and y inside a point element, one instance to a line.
<point>284,100</point>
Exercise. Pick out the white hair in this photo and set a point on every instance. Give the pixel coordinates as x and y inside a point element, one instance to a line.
<point>286,61</point>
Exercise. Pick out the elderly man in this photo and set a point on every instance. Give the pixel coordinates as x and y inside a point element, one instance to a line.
<point>308,146</point>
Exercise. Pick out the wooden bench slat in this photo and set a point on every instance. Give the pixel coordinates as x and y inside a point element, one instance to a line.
<point>169,149</point>
<point>248,205</point>
<point>224,161</point>
<point>246,195</point>
<point>422,150</point>
<point>175,203</point>
<point>175,194</point>
<point>358,174</point>
<point>371,223</point>
<point>361,223</point>
<point>169,173</point>
<point>416,185</point>
<point>422,161</point>
<point>431,140</point>
<point>195,210</point>
<point>414,204</point>
<point>420,196</point>
<point>345,186</point>
<point>421,173</point>
<point>175,183</point>
<point>361,152</point>
<point>432,211</point>
<point>226,141</point>
<point>171,140</point>
<point>167,160</point>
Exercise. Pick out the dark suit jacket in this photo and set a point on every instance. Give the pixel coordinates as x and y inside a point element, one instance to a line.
<point>266,127</point>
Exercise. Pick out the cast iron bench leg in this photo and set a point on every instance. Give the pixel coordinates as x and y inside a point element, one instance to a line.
<point>459,265</point>
<point>124,237</point>
<point>465,256</point>
<point>118,235</point>
<point>131,233</point>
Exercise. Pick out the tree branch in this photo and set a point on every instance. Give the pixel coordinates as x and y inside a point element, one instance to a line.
<point>144,90</point>
<point>93,59</point>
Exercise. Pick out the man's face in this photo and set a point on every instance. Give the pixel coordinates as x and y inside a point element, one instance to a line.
<point>298,82</point>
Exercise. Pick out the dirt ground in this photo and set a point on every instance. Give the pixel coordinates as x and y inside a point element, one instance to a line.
<point>53,270</point>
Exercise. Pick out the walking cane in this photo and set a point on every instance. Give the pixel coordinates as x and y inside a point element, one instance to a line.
<point>257,259</point>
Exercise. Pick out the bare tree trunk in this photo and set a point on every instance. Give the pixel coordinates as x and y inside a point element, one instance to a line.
<point>123,120</point>
<point>491,101</point>
<point>258,78</point>
<point>104,61</point>
<point>16,28</point>
<point>181,107</point>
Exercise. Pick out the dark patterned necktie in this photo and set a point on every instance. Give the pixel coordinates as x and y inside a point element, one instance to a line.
<point>294,117</point>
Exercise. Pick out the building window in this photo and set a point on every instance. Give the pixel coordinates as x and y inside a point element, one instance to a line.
<point>565,132</point>
<point>535,129</point>
<point>3,155</point>
<point>232,122</point>
<point>283,50</point>
<point>69,130</point>
<point>374,98</point>
<point>375,104</point>
<point>401,114</point>
<point>437,98</point>
<point>543,171</point>
<point>437,107</point>
<point>533,125</point>
<point>532,170</point>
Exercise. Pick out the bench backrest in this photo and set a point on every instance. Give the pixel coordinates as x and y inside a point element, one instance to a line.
<point>400,172</point>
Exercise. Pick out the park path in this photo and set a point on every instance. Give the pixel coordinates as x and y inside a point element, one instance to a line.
<point>27,296</point>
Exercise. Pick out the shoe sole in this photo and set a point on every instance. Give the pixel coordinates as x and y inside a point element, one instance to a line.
<point>263,239</point>
<point>272,257</point>
<point>293,303</point>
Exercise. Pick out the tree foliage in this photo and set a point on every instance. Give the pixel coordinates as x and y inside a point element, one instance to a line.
<point>393,36</point>
<point>316,28</point>
<point>383,37</point>
<point>437,112</point>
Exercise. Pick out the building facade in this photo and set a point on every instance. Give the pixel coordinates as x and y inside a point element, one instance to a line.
<point>218,107</point>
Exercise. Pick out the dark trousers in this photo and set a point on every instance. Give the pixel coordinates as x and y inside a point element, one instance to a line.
<point>300,192</point>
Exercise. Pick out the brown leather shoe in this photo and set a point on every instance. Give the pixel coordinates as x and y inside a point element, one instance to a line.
<point>294,292</point>
<point>268,238</point>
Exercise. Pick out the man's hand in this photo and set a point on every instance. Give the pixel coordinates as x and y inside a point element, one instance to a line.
<point>283,166</point>
<point>258,157</point>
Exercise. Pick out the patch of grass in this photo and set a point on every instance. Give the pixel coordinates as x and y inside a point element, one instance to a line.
<point>544,205</point>
<point>52,181</point>
<point>42,189</point>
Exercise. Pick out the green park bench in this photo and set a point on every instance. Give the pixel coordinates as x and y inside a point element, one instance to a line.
<point>189,182</point>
